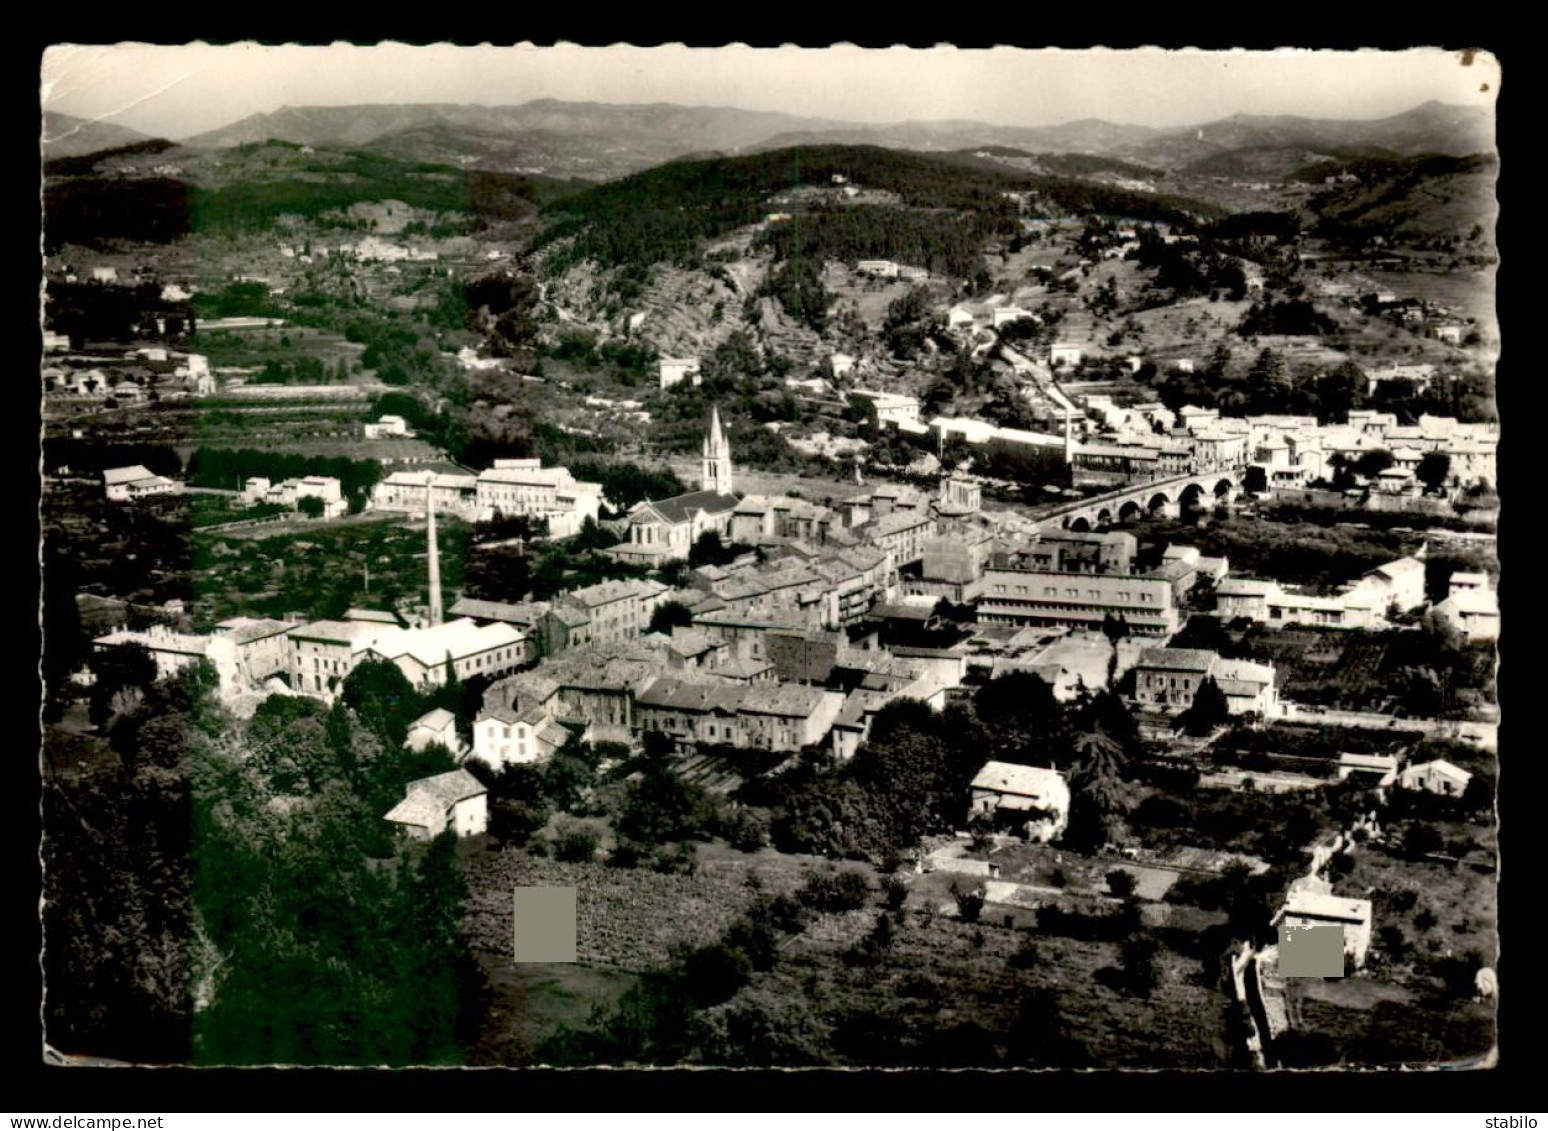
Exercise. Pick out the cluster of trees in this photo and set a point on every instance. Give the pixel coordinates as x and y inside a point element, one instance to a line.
<point>1293,316</point>
<point>503,307</point>
<point>625,484</point>
<point>963,376</point>
<point>541,572</point>
<point>96,313</point>
<point>661,1020</point>
<point>412,408</point>
<point>98,212</point>
<point>657,814</point>
<point>633,363</point>
<point>400,351</point>
<point>710,549</point>
<point>236,300</point>
<point>1086,198</point>
<point>1296,553</point>
<point>679,426</point>
<point>311,370</point>
<point>796,283</point>
<point>1190,270</point>
<point>911,321</point>
<point>119,909</point>
<point>299,885</point>
<point>89,456</point>
<point>230,895</point>
<point>944,243</point>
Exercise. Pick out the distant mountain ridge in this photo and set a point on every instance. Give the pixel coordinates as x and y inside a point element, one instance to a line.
<point>604,139</point>
<point>67,136</point>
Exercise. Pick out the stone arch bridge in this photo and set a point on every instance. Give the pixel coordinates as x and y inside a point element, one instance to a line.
<point>1162,497</point>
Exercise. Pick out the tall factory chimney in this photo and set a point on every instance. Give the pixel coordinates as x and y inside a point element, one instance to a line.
<point>435,553</point>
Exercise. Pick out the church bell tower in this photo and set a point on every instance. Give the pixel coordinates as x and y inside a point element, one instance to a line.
<point>716,466</point>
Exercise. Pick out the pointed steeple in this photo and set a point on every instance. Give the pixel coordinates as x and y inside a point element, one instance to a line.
<point>716,464</point>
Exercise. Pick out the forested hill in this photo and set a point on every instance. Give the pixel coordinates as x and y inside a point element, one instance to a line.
<point>117,194</point>
<point>670,212</point>
<point>1415,198</point>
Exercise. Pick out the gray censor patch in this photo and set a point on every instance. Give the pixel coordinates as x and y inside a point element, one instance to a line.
<point>1311,952</point>
<point>545,924</point>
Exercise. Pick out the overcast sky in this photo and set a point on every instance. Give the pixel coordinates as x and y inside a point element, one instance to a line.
<point>177,91</point>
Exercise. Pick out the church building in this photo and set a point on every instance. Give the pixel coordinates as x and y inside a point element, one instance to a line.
<point>666,529</point>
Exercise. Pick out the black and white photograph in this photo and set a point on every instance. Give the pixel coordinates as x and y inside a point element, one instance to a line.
<point>663,557</point>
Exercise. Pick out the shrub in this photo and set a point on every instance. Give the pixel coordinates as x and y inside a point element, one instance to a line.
<point>970,904</point>
<point>896,890</point>
<point>1028,955</point>
<point>837,892</point>
<point>1139,964</point>
<point>683,860</point>
<point>625,854</point>
<point>575,846</point>
<point>514,822</point>
<point>1394,942</point>
<point>786,914</point>
<point>747,830</point>
<point>713,974</point>
<point>754,936</point>
<point>1420,840</point>
<point>1121,883</point>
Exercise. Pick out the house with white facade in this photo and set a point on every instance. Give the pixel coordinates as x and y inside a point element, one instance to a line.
<point>1063,354</point>
<point>387,426</point>
<point>677,369</point>
<point>1307,907</point>
<point>454,801</point>
<point>434,728</point>
<point>1032,799</point>
<point>1439,777</point>
<point>125,484</point>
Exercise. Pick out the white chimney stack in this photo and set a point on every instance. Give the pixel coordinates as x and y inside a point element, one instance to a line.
<point>435,553</point>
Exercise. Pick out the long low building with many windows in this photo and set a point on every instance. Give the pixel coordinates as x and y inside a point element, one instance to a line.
<point>1080,600</point>
<point>525,487</point>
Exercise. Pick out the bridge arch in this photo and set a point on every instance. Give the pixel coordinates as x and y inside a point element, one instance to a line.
<point>1224,488</point>
<point>1159,502</point>
<point>1130,510</point>
<point>1191,496</point>
<point>1080,524</point>
<point>1104,517</point>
